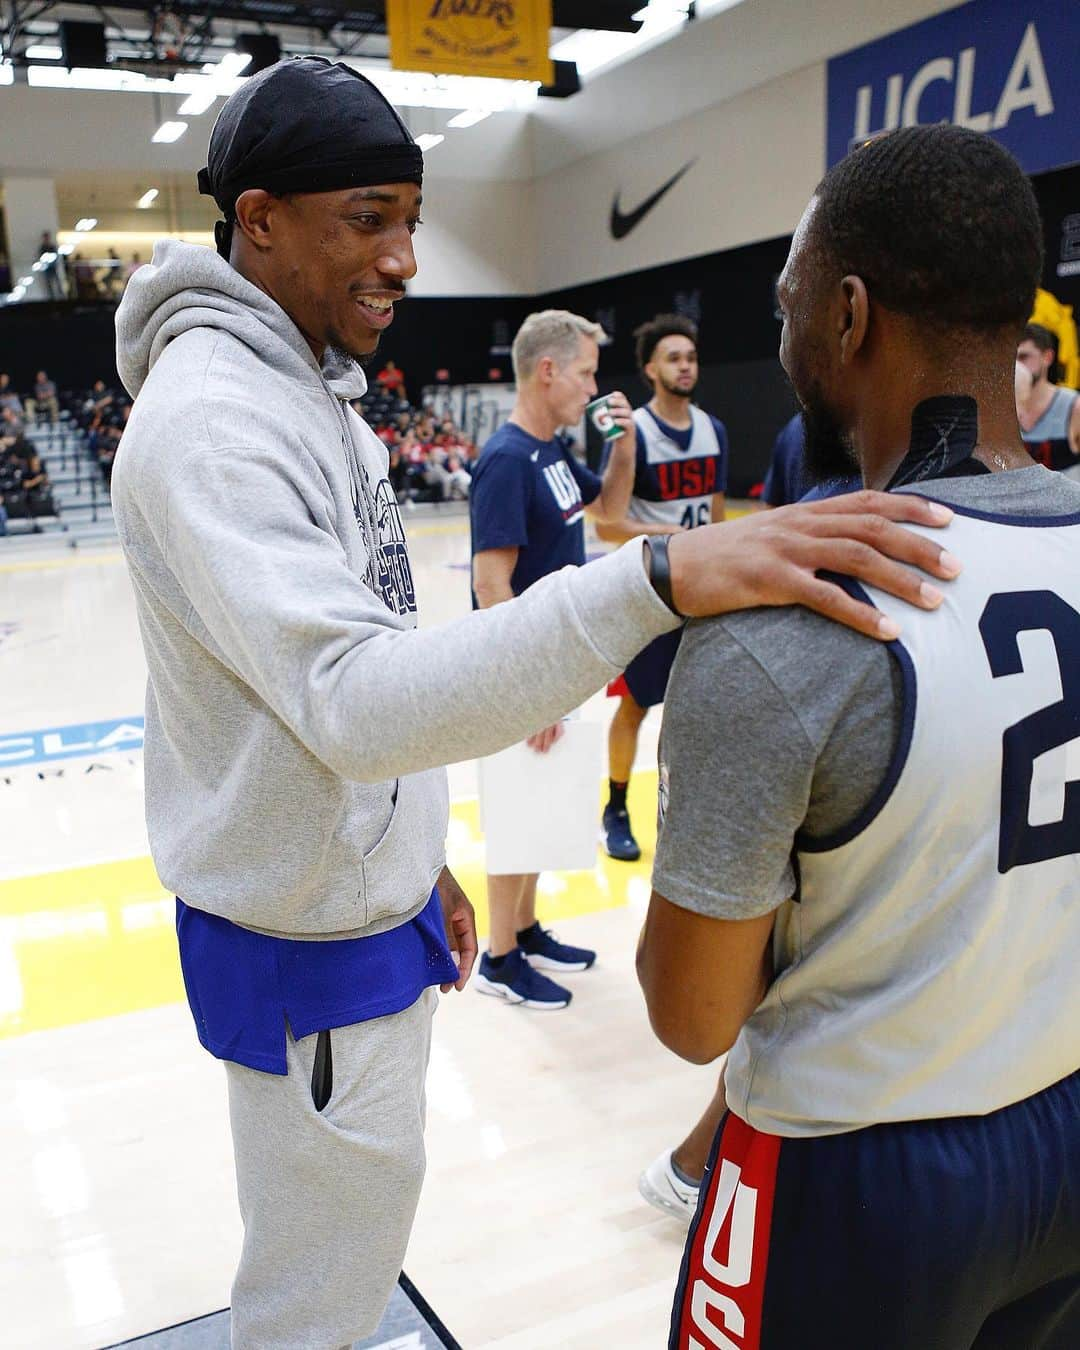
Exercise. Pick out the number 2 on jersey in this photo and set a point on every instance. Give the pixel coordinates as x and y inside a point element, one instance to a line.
<point>1005,617</point>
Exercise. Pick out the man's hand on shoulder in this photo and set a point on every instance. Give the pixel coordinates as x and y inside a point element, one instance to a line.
<point>774,557</point>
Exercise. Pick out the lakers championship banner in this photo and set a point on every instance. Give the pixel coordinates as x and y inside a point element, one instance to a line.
<point>505,39</point>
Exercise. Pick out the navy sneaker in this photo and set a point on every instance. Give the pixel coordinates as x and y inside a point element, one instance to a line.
<point>544,951</point>
<point>618,837</point>
<point>517,982</point>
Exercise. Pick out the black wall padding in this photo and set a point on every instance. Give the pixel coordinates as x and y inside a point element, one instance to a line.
<point>729,294</point>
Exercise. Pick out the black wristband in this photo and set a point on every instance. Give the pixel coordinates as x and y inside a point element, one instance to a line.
<point>660,569</point>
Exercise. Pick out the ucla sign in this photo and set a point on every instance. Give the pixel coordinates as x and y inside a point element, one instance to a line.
<point>48,744</point>
<point>1004,67</point>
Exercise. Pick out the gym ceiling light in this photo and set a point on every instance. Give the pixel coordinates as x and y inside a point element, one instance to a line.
<point>169,132</point>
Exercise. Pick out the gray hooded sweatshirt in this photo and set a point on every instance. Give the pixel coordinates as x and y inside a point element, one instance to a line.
<point>296,718</point>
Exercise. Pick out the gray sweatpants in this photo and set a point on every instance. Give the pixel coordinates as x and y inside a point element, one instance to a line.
<point>328,1199</point>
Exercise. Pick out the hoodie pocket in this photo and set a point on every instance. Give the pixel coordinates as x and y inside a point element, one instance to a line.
<point>400,870</point>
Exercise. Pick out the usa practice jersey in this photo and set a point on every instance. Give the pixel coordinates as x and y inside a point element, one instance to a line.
<point>929,966</point>
<point>677,472</point>
<point>1048,440</point>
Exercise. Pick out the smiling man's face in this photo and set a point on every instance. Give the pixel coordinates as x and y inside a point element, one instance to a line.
<point>337,261</point>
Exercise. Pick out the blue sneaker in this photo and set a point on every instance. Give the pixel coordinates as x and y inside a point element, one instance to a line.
<point>544,951</point>
<point>618,837</point>
<point>517,982</point>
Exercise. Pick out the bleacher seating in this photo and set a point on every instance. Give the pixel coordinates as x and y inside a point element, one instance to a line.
<point>76,502</point>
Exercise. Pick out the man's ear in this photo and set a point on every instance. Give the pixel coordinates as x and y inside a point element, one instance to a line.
<point>255,211</point>
<point>856,318</point>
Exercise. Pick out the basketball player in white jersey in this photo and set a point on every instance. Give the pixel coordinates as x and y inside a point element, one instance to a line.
<point>867,885</point>
<point>1049,414</point>
<point>680,479</point>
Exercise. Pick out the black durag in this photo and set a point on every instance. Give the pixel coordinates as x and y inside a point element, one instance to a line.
<point>305,125</point>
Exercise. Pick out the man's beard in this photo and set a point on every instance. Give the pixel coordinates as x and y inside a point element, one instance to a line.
<point>674,390</point>
<point>828,453</point>
<point>336,347</point>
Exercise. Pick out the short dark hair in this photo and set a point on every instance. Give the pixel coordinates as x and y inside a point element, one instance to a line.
<point>649,336</point>
<point>1042,337</point>
<point>940,222</point>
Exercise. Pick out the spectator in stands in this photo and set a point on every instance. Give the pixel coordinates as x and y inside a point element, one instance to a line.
<point>436,476</point>
<point>35,478</point>
<point>391,380</point>
<point>12,412</point>
<point>24,482</point>
<point>460,478</point>
<point>10,474</point>
<point>86,287</point>
<point>133,266</point>
<point>51,269</point>
<point>99,398</point>
<point>412,459</point>
<point>398,474</point>
<point>9,398</point>
<point>12,431</point>
<point>113,277</point>
<point>109,442</point>
<point>44,399</point>
<point>413,453</point>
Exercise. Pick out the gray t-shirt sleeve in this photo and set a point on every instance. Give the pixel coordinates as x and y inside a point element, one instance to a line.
<point>776,722</point>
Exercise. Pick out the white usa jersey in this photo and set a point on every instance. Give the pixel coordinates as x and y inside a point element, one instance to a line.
<point>678,472</point>
<point>931,965</point>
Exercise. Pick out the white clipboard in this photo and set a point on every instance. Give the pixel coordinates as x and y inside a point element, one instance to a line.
<point>539,812</point>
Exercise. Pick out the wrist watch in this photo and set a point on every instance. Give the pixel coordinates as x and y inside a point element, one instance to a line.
<point>659,569</point>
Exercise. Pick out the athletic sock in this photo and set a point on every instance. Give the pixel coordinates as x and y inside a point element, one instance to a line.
<point>617,797</point>
<point>525,934</point>
<point>686,1180</point>
<point>496,961</point>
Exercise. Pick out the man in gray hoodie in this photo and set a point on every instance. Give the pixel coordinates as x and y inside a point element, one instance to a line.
<point>297,721</point>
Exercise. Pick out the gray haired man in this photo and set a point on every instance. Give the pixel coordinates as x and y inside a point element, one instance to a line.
<point>527,506</point>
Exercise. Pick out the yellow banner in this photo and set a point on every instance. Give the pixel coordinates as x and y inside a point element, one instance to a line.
<point>505,39</point>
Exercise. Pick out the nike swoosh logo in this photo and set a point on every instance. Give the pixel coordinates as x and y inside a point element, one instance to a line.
<point>622,223</point>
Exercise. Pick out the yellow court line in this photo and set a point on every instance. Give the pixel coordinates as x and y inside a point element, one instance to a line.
<point>93,942</point>
<point>418,531</point>
<point>51,564</point>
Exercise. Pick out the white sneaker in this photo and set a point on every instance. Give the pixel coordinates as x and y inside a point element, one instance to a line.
<point>660,1186</point>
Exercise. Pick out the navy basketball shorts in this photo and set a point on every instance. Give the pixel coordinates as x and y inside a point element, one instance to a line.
<point>957,1234</point>
<point>647,674</point>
